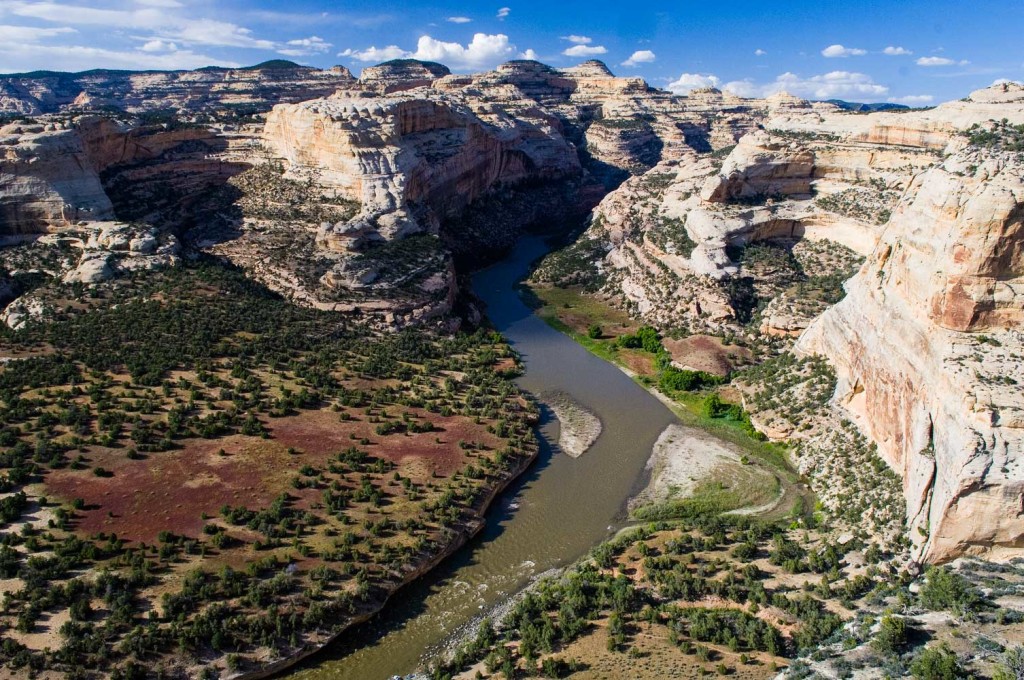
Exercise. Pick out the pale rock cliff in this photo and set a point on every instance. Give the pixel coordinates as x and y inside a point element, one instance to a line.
<point>412,161</point>
<point>47,179</point>
<point>928,345</point>
<point>401,74</point>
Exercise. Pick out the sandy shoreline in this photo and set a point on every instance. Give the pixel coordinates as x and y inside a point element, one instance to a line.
<point>682,458</point>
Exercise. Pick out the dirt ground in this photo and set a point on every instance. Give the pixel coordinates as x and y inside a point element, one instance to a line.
<point>171,490</point>
<point>706,353</point>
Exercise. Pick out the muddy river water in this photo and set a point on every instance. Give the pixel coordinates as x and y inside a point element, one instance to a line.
<point>548,518</point>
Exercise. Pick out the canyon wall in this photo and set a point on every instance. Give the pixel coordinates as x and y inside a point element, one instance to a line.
<point>928,344</point>
<point>207,90</point>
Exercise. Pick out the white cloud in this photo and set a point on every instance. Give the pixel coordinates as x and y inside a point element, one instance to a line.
<point>1005,81</point>
<point>77,57</point>
<point>833,51</point>
<point>693,81</point>
<point>529,54</point>
<point>832,85</point>
<point>640,57</point>
<point>375,54</point>
<point>940,61</point>
<point>154,19</point>
<point>459,20</point>
<point>159,3</point>
<point>30,34</point>
<point>216,33</point>
<point>759,53</point>
<point>894,51</point>
<point>303,47</point>
<point>159,46</point>
<point>585,51</point>
<point>503,12</point>
<point>483,50</point>
<point>913,99</point>
<point>578,39</point>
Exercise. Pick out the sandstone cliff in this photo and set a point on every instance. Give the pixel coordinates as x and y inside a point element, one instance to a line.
<point>927,345</point>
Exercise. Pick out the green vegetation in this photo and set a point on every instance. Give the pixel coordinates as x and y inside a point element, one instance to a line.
<point>668,580</point>
<point>945,590</point>
<point>574,265</point>
<point>1000,136</point>
<point>936,663</point>
<point>1011,665</point>
<point>892,635</point>
<point>669,234</point>
<point>869,205</point>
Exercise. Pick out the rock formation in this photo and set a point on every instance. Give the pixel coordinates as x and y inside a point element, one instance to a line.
<point>47,179</point>
<point>926,343</point>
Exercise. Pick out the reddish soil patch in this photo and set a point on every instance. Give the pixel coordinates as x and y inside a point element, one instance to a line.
<point>706,353</point>
<point>321,433</point>
<point>639,363</point>
<point>171,490</point>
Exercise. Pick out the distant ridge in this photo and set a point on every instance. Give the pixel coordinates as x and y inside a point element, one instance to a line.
<point>865,108</point>
<point>270,65</point>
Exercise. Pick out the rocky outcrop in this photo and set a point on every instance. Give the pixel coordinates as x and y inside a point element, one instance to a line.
<point>47,179</point>
<point>401,74</point>
<point>93,168</point>
<point>411,161</point>
<point>926,343</point>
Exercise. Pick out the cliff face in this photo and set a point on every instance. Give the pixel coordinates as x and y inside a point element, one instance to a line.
<point>410,161</point>
<point>47,180</point>
<point>317,201</point>
<point>927,347</point>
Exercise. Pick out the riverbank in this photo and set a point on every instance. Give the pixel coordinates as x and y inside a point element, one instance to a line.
<point>462,535</point>
<point>574,314</point>
<point>688,465</point>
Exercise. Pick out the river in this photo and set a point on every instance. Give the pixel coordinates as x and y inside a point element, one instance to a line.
<point>548,518</point>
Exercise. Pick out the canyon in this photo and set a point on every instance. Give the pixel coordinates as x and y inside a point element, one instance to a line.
<point>410,149</point>
<point>884,250</point>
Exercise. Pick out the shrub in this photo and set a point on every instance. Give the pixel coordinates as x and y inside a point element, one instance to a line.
<point>936,663</point>
<point>945,590</point>
<point>1011,666</point>
<point>892,635</point>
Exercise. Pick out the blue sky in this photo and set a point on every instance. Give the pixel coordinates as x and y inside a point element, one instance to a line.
<point>909,51</point>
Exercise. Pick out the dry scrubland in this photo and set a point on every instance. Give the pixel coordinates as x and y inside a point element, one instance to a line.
<point>742,598</point>
<point>201,474</point>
